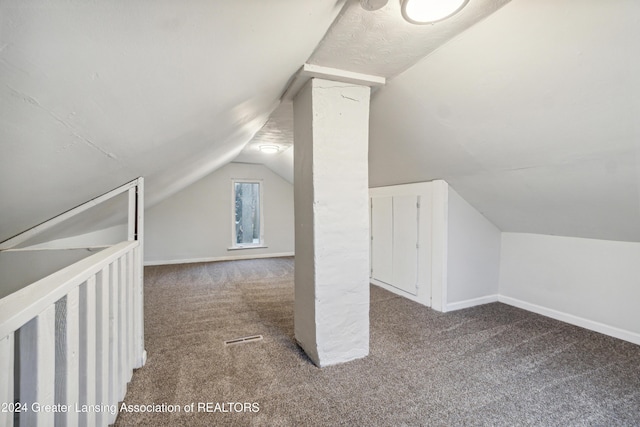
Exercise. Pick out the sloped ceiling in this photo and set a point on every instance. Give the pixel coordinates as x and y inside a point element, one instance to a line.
<point>528,108</point>
<point>532,116</point>
<point>382,43</point>
<point>94,94</point>
<point>374,42</point>
<point>278,131</point>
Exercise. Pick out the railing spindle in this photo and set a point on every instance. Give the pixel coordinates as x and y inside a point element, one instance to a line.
<point>6,365</point>
<point>88,349</point>
<point>130,314</point>
<point>114,342</point>
<point>122,329</point>
<point>102,343</point>
<point>139,308</point>
<point>67,357</point>
<point>37,368</point>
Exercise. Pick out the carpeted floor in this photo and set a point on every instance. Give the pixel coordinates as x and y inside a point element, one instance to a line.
<point>490,365</point>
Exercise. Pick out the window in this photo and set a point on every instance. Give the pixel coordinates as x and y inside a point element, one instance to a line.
<point>247,229</point>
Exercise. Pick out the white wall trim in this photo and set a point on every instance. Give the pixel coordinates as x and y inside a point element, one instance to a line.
<point>309,71</point>
<point>453,306</point>
<point>439,250</point>
<point>33,231</point>
<point>239,248</point>
<point>218,258</point>
<point>573,320</point>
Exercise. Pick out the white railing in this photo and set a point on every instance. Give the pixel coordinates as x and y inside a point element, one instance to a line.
<point>76,336</point>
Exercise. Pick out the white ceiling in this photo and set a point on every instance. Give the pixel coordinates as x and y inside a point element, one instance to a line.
<point>527,108</point>
<point>379,43</point>
<point>382,43</point>
<point>97,93</point>
<point>532,116</point>
<point>278,131</point>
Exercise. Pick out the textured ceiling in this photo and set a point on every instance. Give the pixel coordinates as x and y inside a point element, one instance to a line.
<point>382,43</point>
<point>379,43</point>
<point>277,131</point>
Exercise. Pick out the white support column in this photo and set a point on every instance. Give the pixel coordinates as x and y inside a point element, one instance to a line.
<point>6,388</point>
<point>88,350</point>
<point>37,367</point>
<point>102,343</point>
<point>67,357</point>
<point>332,220</point>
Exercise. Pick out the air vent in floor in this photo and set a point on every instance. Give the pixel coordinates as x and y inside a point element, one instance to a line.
<point>243,340</point>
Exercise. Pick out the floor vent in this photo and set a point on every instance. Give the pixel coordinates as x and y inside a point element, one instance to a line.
<point>243,340</point>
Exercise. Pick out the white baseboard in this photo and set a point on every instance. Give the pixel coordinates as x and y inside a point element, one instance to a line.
<point>219,258</point>
<point>574,320</point>
<point>453,306</point>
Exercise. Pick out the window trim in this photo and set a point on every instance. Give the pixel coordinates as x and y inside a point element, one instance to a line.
<point>260,244</point>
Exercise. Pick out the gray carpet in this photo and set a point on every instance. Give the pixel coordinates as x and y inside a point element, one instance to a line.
<point>490,365</point>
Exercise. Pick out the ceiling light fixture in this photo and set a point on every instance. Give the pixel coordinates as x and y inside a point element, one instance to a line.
<point>269,149</point>
<point>430,11</point>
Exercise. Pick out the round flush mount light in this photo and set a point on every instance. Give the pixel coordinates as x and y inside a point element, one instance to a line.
<point>269,149</point>
<point>430,11</point>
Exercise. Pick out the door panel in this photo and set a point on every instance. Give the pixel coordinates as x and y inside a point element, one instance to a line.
<point>382,239</point>
<point>405,241</point>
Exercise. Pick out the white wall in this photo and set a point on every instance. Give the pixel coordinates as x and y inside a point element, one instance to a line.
<point>22,268</point>
<point>195,224</point>
<point>473,256</point>
<point>591,283</point>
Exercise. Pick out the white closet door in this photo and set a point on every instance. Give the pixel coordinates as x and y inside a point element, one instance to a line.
<point>382,239</point>
<point>405,243</point>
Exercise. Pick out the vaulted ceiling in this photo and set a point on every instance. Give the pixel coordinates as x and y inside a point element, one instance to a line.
<point>533,116</point>
<point>528,108</point>
<point>95,94</point>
